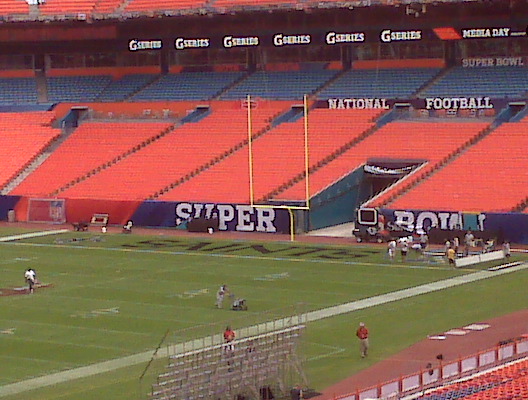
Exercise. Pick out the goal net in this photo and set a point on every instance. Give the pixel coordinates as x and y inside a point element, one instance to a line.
<point>47,210</point>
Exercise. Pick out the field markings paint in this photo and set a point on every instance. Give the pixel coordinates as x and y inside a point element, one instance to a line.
<point>239,256</point>
<point>31,235</point>
<point>139,358</point>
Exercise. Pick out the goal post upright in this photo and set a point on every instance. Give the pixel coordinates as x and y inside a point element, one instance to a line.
<point>290,209</point>
<point>306,153</point>
<point>250,148</point>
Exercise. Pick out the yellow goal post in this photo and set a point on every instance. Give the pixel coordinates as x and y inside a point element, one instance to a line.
<point>290,208</point>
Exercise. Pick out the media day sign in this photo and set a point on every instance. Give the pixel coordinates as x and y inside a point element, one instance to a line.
<point>236,217</point>
<point>480,33</point>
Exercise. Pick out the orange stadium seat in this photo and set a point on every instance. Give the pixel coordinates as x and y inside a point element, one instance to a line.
<point>90,146</point>
<point>245,3</point>
<point>162,5</point>
<point>508,382</point>
<point>171,158</point>
<point>490,175</point>
<point>107,6</point>
<point>24,136</point>
<point>277,156</point>
<point>397,140</point>
<point>8,7</point>
<point>67,7</point>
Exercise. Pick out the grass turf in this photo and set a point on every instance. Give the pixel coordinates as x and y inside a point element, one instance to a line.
<point>116,295</point>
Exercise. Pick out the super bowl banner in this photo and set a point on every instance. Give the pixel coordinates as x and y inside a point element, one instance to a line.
<point>230,217</point>
<point>505,226</point>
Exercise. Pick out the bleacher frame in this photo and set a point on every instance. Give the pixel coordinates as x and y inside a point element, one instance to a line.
<point>244,367</point>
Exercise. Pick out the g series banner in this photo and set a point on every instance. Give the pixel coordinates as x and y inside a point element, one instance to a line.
<point>231,217</point>
<point>330,37</point>
<point>510,226</point>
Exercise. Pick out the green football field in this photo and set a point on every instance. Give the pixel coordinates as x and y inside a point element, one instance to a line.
<point>117,295</point>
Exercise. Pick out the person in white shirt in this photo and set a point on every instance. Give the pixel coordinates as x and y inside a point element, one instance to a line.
<point>220,294</point>
<point>392,249</point>
<point>506,249</point>
<point>404,248</point>
<point>31,277</point>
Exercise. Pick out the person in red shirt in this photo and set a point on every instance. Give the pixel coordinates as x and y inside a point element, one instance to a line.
<point>363,333</point>
<point>229,336</point>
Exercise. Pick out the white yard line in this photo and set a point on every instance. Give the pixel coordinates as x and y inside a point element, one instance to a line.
<point>31,235</point>
<point>111,365</point>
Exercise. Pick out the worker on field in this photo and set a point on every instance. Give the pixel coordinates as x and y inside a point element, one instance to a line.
<point>31,278</point>
<point>363,334</point>
<point>220,294</point>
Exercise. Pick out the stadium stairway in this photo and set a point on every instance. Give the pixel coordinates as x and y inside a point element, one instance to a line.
<point>27,137</point>
<point>224,90</point>
<point>43,156</point>
<point>431,82</point>
<point>522,207</point>
<point>126,87</point>
<point>42,87</point>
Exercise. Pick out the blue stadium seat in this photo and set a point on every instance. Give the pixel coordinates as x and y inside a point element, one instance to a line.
<point>188,86</point>
<point>289,85</point>
<point>18,90</point>
<point>384,83</point>
<point>76,88</point>
<point>492,81</point>
<point>120,89</point>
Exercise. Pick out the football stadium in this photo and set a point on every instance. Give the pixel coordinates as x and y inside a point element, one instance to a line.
<point>264,199</point>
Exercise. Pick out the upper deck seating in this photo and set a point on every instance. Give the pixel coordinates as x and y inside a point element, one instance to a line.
<point>162,5</point>
<point>18,90</point>
<point>76,88</point>
<point>67,7</point>
<point>288,85</point>
<point>188,86</point>
<point>491,81</point>
<point>8,7</point>
<point>120,89</point>
<point>254,3</point>
<point>383,83</point>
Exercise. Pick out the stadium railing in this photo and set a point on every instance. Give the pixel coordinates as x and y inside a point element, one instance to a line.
<point>444,373</point>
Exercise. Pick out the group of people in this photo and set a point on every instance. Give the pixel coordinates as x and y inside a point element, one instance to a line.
<point>418,244</point>
<point>451,247</point>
